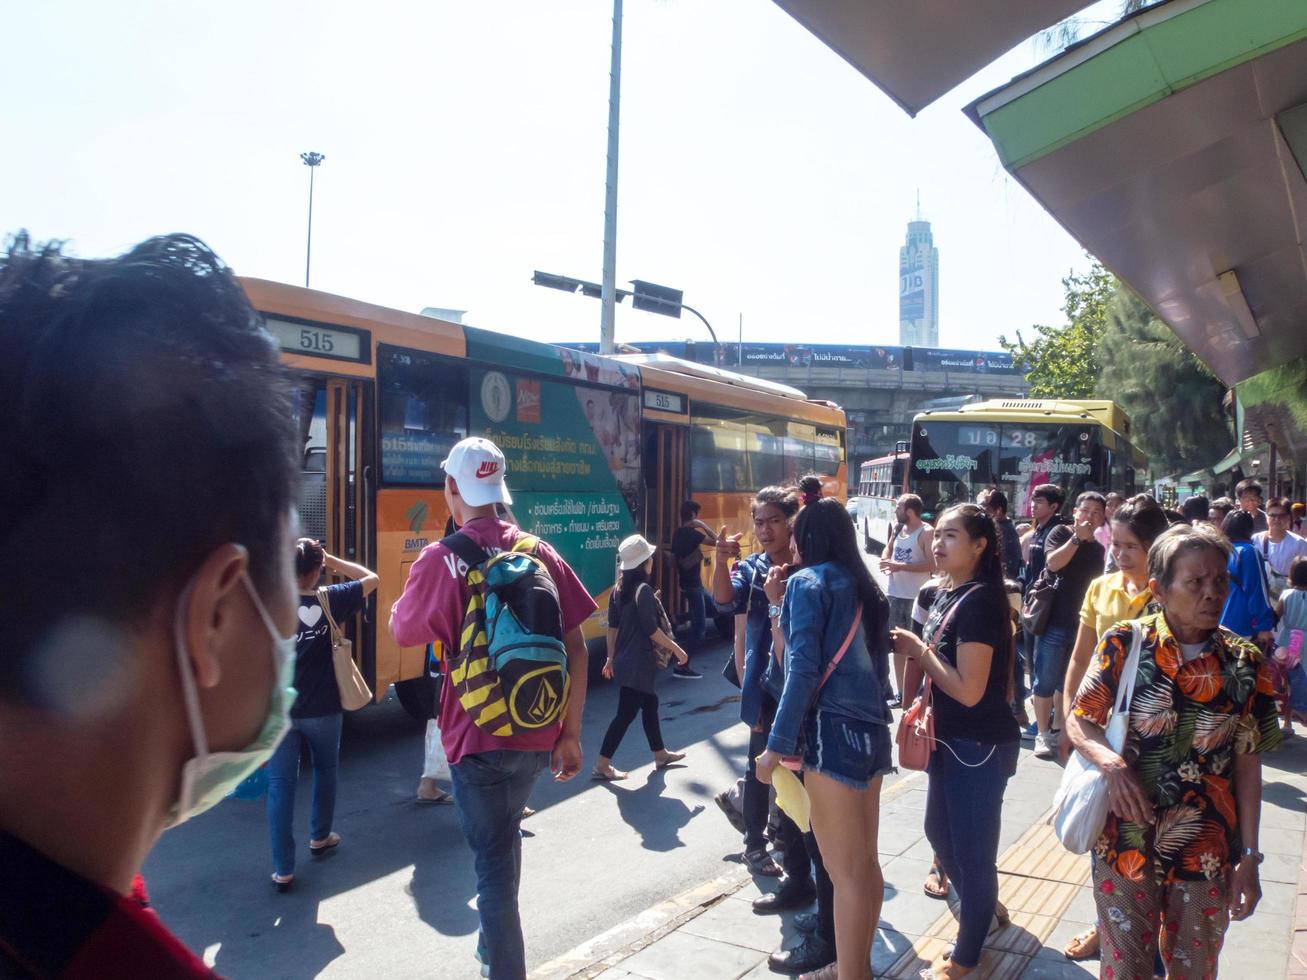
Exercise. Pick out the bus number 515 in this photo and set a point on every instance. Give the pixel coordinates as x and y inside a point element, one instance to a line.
<point>315,340</point>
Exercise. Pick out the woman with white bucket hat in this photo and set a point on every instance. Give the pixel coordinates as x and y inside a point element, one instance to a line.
<point>634,630</point>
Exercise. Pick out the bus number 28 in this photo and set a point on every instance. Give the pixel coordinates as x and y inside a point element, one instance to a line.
<point>316,340</point>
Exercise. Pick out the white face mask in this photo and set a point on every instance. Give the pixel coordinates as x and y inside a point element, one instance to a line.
<point>210,776</point>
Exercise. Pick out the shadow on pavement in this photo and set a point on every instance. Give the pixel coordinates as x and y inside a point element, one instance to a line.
<point>657,818</point>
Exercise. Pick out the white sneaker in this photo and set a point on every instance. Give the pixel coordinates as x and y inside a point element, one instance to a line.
<point>1045,745</point>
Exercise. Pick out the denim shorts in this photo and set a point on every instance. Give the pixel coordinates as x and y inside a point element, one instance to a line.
<point>1052,654</point>
<point>848,750</point>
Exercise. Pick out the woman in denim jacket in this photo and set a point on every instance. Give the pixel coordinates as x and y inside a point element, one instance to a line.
<point>839,728</point>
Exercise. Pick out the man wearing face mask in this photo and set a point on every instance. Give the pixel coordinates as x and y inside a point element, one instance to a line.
<point>148,476</point>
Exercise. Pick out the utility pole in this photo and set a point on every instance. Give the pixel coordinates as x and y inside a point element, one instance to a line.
<point>312,161</point>
<point>608,295</point>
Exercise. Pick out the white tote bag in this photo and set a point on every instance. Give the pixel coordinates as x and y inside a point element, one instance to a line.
<point>1080,807</point>
<point>435,765</point>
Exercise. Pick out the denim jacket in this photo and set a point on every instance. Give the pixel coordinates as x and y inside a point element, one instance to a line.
<point>762,675</point>
<point>820,602</point>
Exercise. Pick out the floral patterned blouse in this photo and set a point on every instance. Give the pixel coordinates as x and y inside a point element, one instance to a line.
<point>1187,723</point>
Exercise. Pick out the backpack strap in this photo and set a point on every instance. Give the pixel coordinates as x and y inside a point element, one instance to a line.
<point>467,550</point>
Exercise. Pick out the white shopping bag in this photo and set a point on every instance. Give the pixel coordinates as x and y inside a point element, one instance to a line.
<point>435,766</point>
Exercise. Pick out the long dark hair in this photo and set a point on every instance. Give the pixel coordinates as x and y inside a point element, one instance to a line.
<point>989,570</point>
<point>629,581</point>
<point>824,532</point>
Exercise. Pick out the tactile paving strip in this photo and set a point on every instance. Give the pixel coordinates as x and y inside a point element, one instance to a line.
<point>1037,880</point>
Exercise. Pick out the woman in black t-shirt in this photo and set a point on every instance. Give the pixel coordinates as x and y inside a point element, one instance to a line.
<point>967,653</point>
<point>633,631</point>
<point>315,716</point>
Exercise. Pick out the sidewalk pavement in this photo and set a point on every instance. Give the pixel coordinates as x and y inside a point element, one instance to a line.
<point>711,933</point>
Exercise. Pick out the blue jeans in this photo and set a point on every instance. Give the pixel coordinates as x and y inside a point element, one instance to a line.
<point>964,808</point>
<point>1052,654</point>
<point>322,736</point>
<point>697,600</point>
<point>490,789</point>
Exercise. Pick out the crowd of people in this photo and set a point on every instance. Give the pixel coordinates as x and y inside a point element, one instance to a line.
<point>154,374</point>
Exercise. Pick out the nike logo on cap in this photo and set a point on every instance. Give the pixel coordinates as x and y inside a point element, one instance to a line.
<point>488,468</point>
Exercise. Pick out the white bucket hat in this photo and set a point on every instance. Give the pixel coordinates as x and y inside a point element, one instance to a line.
<point>634,552</point>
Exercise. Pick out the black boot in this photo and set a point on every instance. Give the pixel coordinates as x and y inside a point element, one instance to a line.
<point>791,895</point>
<point>811,954</point>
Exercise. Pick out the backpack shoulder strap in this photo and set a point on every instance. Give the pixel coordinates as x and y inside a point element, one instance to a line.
<point>471,553</point>
<point>526,544</point>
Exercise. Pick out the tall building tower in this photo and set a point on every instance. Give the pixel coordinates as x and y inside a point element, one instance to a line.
<point>919,286</point>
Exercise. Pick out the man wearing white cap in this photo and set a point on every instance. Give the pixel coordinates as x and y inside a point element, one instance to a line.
<point>492,774</point>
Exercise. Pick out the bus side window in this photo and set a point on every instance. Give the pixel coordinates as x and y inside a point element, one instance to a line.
<point>423,412</point>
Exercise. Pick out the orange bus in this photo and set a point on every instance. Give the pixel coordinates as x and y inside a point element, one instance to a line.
<point>597,447</point>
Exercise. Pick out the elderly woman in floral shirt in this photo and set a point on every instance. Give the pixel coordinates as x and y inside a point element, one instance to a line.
<point>1178,858</point>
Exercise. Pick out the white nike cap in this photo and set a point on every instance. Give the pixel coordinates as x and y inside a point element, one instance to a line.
<point>478,466</point>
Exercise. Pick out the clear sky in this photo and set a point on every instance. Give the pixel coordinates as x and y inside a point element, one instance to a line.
<point>465,147</point>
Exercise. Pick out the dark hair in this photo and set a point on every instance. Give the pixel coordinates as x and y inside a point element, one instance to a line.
<point>824,532</point>
<point>1195,508</point>
<point>994,497</point>
<point>1249,485</point>
<point>1145,500</point>
<point>1092,496</point>
<point>1174,516</point>
<point>1221,503</point>
<point>989,570</point>
<point>1238,525</point>
<point>1282,502</point>
<point>689,510</point>
<point>309,556</point>
<point>1113,495</point>
<point>1051,492</point>
<point>1145,521</point>
<point>911,501</point>
<point>627,583</point>
<point>810,483</point>
<point>1298,572</point>
<point>784,499</point>
<point>141,401</point>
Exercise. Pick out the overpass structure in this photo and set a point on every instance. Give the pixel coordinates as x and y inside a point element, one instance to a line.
<point>880,403</point>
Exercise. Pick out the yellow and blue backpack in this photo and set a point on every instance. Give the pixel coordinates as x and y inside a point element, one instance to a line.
<point>510,671</point>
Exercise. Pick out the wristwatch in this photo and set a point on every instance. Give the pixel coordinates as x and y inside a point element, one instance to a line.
<point>773,611</point>
<point>1252,852</point>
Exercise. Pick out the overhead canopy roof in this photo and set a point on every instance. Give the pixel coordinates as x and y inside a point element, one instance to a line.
<point>1166,145</point>
<point>916,50</point>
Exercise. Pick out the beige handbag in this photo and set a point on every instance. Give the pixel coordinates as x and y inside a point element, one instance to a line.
<point>354,691</point>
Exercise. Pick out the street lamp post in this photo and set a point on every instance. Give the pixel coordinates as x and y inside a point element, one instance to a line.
<point>608,288</point>
<point>312,161</point>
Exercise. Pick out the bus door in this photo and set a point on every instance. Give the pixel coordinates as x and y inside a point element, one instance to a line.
<point>666,488</point>
<point>333,418</point>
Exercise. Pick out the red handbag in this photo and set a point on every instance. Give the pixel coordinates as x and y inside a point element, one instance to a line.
<point>916,731</point>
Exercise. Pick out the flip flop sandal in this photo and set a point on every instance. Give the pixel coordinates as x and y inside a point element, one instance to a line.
<point>760,863</point>
<point>938,889</point>
<point>603,777</point>
<point>1084,946</point>
<point>282,884</point>
<point>671,760</point>
<point>442,798</point>
<point>326,846</point>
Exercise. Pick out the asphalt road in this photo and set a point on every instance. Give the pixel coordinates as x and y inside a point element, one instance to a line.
<point>397,899</point>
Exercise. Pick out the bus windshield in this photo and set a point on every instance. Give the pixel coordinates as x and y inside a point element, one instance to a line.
<point>953,460</point>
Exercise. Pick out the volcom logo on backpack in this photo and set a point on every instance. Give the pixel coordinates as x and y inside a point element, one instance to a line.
<point>510,672</point>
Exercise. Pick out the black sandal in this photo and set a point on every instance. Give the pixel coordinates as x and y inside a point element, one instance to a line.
<point>761,863</point>
<point>280,883</point>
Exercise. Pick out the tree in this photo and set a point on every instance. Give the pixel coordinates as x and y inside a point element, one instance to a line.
<point>1063,362</point>
<point>1173,400</point>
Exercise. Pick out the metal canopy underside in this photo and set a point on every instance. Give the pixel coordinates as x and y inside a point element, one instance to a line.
<point>916,50</point>
<point>1156,145</point>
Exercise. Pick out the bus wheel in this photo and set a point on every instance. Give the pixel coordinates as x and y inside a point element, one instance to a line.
<point>418,697</point>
